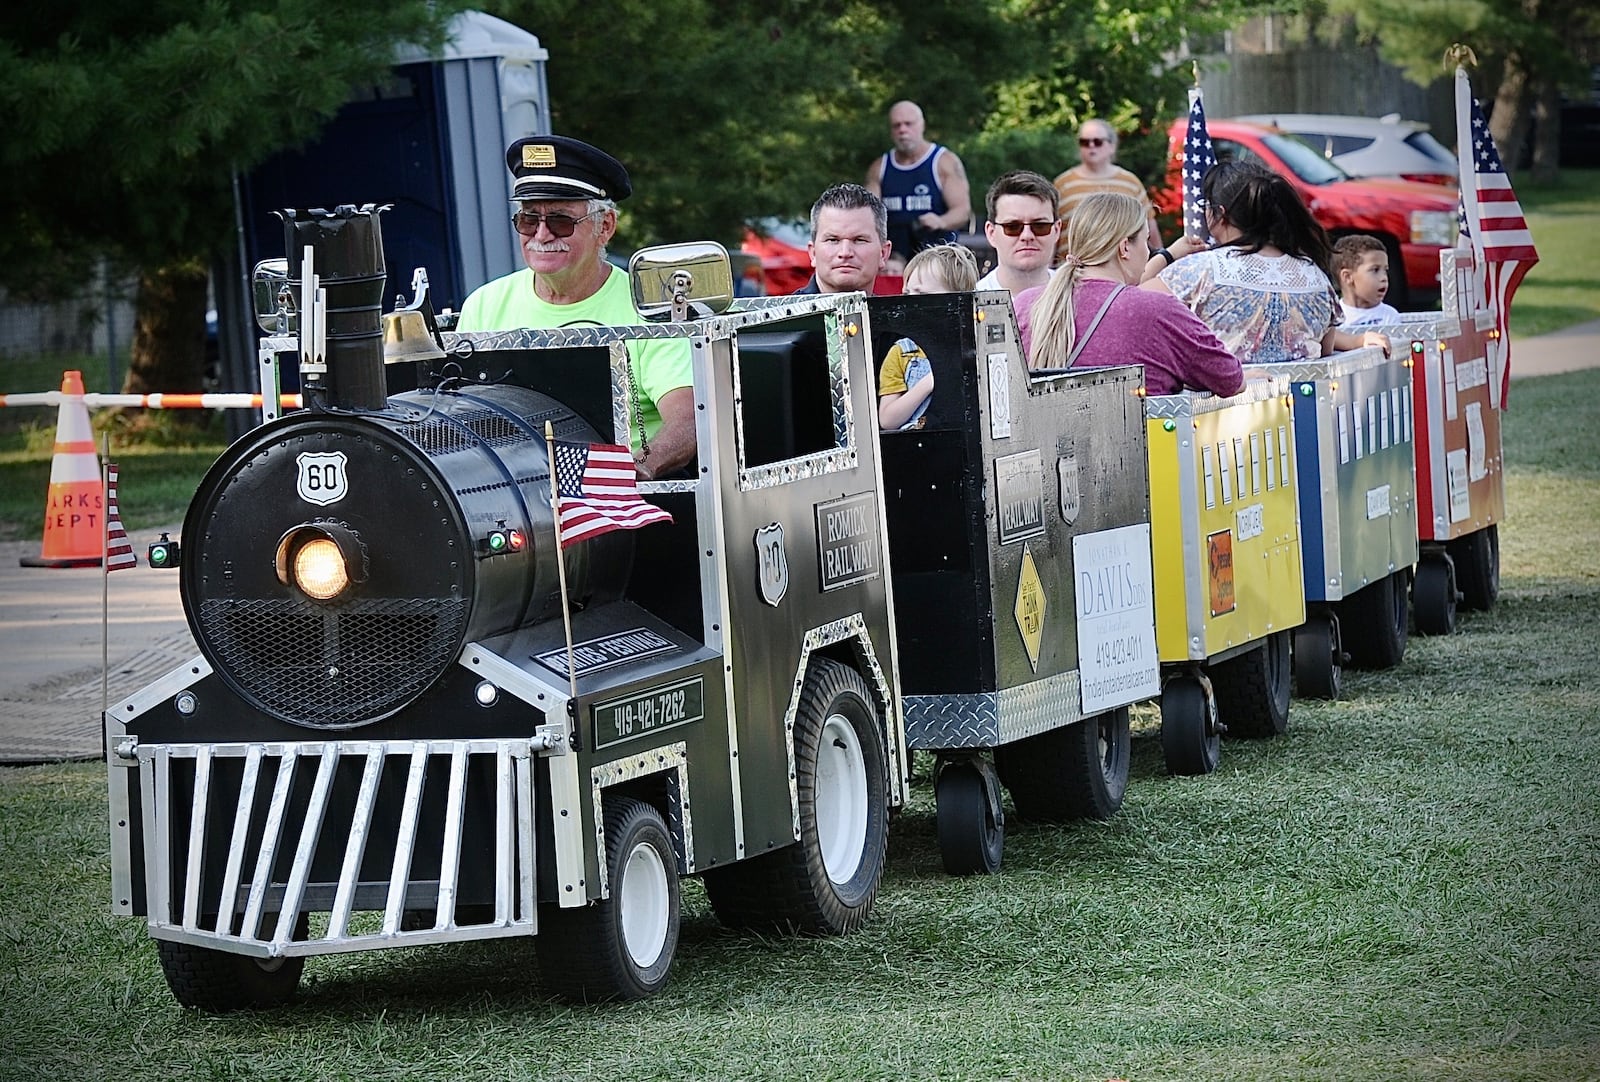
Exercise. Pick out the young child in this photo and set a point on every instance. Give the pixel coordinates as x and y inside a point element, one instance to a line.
<point>1361,266</point>
<point>905,382</point>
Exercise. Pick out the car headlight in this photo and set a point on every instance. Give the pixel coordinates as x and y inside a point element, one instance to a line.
<point>1433,227</point>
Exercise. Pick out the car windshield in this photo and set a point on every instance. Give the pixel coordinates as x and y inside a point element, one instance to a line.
<point>1307,164</point>
<point>1424,143</point>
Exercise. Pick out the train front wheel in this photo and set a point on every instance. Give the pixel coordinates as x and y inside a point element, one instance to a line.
<point>1191,735</point>
<point>971,822</point>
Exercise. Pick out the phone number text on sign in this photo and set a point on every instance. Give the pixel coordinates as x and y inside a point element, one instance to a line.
<point>649,712</point>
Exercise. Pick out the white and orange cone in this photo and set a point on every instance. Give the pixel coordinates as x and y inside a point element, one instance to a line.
<point>74,530</point>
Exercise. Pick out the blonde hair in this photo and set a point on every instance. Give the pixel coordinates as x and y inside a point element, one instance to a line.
<point>1098,224</point>
<point>952,264</point>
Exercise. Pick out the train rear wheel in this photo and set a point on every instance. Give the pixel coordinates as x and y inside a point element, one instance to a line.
<point>1253,689</point>
<point>1477,560</point>
<point>1376,618</point>
<point>971,822</point>
<point>1191,737</point>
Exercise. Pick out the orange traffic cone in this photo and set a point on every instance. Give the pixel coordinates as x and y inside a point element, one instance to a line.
<point>74,532</point>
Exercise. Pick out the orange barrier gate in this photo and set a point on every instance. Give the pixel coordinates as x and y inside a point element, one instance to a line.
<point>74,526</point>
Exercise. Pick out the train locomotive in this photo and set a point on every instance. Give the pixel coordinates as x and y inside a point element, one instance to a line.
<point>415,719</point>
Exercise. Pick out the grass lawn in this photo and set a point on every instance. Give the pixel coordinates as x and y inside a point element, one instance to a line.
<point>1405,886</point>
<point>1563,288</point>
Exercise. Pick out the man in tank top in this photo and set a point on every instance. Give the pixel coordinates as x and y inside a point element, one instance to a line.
<point>923,184</point>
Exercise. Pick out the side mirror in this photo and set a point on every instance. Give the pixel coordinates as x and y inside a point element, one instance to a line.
<point>681,281</point>
<point>272,298</point>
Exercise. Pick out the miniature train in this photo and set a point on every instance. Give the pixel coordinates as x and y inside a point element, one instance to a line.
<point>415,719</point>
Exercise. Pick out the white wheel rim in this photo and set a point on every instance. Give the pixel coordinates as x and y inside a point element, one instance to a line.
<point>841,799</point>
<point>645,901</point>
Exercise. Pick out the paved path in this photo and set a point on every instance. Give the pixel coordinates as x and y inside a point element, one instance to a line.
<point>51,631</point>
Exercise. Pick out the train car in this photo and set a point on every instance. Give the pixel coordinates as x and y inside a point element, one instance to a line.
<point>415,718</point>
<point>1356,481</point>
<point>1457,369</point>
<point>1019,534</point>
<point>1225,520</point>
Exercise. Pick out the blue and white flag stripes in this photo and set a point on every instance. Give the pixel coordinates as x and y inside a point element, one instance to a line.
<point>1198,157</point>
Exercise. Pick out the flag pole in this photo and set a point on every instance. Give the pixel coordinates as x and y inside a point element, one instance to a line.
<point>561,560</point>
<point>105,573</point>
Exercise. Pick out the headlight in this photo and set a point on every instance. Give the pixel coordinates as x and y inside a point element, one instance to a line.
<point>321,559</point>
<point>1433,227</point>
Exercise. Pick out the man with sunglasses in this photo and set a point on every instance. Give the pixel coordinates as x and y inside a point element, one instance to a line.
<point>1022,228</point>
<point>566,194</point>
<point>1096,172</point>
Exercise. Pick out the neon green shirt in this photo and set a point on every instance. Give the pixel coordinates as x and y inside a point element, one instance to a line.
<point>659,365</point>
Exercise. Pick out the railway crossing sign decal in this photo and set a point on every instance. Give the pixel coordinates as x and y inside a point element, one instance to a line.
<point>1030,606</point>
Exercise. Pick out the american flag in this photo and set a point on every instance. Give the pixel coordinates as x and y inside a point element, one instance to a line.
<point>1197,158</point>
<point>119,552</point>
<point>1492,216</point>
<point>597,491</point>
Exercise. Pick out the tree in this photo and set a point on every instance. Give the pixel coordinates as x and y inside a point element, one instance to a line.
<point>1528,51</point>
<point>125,123</point>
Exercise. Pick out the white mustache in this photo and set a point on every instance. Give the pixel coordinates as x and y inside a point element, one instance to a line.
<point>531,245</point>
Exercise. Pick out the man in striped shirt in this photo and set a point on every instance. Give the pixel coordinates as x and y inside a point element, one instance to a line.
<point>1096,172</point>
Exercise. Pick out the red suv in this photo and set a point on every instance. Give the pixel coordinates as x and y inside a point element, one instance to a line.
<point>1414,221</point>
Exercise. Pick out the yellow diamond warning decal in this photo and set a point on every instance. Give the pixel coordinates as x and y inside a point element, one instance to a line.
<point>1030,607</point>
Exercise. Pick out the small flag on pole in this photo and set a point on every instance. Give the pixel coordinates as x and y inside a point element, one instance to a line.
<point>597,491</point>
<point>1198,157</point>
<point>1492,215</point>
<point>119,551</point>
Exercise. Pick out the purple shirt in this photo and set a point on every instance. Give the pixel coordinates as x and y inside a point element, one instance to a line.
<point>1177,350</point>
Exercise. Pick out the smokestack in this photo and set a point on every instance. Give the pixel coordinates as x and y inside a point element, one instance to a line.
<point>347,257</point>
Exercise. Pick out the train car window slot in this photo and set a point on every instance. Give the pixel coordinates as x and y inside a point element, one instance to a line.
<point>786,406</point>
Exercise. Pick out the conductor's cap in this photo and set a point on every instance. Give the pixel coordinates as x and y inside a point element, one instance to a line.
<point>556,167</point>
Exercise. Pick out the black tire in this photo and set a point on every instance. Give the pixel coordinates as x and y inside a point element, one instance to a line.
<point>1318,656</point>
<point>1477,560</point>
<point>215,981</point>
<point>1079,771</point>
<point>972,825</point>
<point>1433,595</point>
<point>793,888</point>
<point>1253,689</point>
<point>1376,619</point>
<point>1191,738</point>
<point>620,947</point>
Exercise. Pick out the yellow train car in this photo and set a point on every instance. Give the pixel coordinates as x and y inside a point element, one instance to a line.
<point>1225,526</point>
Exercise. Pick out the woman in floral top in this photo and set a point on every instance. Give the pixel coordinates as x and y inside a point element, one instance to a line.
<point>1264,288</point>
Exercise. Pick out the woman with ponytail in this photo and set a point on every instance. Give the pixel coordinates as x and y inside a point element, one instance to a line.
<point>1264,289</point>
<point>1088,316</point>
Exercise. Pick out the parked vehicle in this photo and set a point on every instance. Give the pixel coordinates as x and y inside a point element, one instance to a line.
<point>1414,221</point>
<point>1364,146</point>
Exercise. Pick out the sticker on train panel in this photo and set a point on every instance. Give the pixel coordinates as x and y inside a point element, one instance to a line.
<point>1067,478</point>
<point>1219,571</point>
<point>1019,489</point>
<point>847,540</point>
<point>322,479</point>
<point>1030,606</point>
<point>649,712</point>
<point>772,564</point>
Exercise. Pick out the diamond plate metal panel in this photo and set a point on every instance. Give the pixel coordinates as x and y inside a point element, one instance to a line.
<point>947,722</point>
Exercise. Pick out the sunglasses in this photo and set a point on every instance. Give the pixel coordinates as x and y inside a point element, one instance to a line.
<point>560,225</point>
<point>1092,141</point>
<point>1038,229</point>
